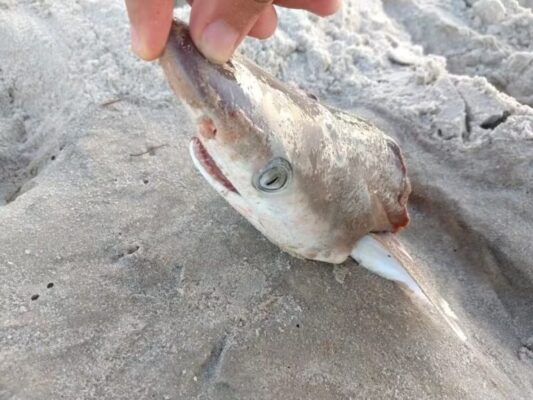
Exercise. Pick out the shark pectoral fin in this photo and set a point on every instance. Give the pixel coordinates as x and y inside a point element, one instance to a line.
<point>384,255</point>
<point>387,261</point>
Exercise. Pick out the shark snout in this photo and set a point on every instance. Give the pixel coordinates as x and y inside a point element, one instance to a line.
<point>208,88</point>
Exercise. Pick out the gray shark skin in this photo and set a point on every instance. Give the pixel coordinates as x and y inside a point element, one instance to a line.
<point>347,178</point>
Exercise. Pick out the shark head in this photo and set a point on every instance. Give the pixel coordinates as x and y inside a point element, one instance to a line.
<point>312,179</point>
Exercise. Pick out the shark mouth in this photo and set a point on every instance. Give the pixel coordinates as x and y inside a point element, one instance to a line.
<point>207,166</point>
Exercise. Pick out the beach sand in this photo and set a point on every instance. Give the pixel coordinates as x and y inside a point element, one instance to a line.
<point>125,276</point>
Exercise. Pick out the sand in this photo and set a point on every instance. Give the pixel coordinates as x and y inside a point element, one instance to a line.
<point>124,275</point>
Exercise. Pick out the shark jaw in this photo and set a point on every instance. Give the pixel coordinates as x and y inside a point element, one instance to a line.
<point>208,167</point>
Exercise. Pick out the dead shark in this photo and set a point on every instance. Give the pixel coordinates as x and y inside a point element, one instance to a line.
<point>320,183</point>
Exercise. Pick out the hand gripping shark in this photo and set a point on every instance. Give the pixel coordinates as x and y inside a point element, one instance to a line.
<point>320,183</point>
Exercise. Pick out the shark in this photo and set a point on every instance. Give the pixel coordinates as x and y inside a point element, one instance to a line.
<point>320,183</point>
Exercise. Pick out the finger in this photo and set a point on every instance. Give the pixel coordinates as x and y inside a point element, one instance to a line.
<point>319,7</point>
<point>266,24</point>
<point>150,25</point>
<point>218,26</point>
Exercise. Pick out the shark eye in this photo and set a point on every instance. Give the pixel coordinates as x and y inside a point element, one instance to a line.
<point>274,177</point>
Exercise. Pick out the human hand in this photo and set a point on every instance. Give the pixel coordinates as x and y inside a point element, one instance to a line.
<point>217,27</point>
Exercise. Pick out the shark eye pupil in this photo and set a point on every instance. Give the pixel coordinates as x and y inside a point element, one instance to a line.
<point>272,181</point>
<point>274,176</point>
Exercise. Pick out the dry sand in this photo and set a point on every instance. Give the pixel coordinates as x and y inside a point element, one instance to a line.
<point>161,290</point>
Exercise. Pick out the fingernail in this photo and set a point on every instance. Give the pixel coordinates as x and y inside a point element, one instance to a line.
<point>218,41</point>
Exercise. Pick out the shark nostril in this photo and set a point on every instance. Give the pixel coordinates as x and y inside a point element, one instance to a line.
<point>207,128</point>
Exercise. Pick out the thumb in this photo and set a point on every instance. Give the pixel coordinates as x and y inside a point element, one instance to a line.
<point>218,26</point>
